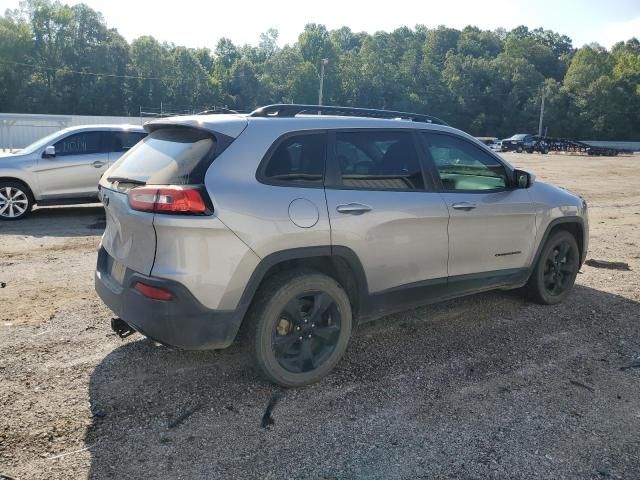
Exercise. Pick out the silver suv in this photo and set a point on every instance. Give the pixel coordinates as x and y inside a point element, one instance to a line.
<point>62,168</point>
<point>289,225</point>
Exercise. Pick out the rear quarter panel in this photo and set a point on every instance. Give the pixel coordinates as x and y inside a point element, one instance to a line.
<point>205,256</point>
<point>257,213</point>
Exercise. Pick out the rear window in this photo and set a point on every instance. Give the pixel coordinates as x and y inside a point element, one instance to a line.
<point>176,156</point>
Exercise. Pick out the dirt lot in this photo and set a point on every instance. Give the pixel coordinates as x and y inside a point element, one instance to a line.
<point>484,387</point>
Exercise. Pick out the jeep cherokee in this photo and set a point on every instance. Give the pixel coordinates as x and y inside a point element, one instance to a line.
<point>288,225</point>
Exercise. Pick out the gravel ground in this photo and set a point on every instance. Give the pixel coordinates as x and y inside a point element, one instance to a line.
<point>488,386</point>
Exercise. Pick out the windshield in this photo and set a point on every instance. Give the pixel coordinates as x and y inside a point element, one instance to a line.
<point>519,136</point>
<point>175,155</point>
<point>44,141</point>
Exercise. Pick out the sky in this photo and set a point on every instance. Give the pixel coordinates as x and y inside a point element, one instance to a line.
<point>194,23</point>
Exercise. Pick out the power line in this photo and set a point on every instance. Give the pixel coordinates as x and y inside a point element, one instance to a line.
<point>93,74</point>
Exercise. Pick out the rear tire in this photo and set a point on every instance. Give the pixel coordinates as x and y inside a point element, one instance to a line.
<point>299,327</point>
<point>16,201</point>
<point>555,271</point>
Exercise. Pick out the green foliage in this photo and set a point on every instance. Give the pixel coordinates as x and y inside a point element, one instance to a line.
<point>60,59</point>
<point>15,46</point>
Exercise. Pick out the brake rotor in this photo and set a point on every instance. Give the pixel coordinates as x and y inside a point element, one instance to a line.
<point>284,327</point>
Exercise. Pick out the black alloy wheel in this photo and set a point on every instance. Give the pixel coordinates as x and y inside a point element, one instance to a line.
<point>556,269</point>
<point>561,265</point>
<point>300,325</point>
<point>307,332</point>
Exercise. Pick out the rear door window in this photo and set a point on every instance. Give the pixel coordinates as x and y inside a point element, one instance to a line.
<point>378,160</point>
<point>297,159</point>
<point>120,141</point>
<point>174,155</point>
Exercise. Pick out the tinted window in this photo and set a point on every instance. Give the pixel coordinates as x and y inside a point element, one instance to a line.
<point>298,159</point>
<point>463,166</point>
<point>167,156</point>
<point>120,141</point>
<point>378,160</point>
<point>79,144</point>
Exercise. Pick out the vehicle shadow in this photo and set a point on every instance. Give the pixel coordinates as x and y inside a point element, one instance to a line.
<point>74,221</point>
<point>441,391</point>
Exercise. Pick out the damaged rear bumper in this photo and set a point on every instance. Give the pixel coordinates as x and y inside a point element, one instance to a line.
<point>181,321</point>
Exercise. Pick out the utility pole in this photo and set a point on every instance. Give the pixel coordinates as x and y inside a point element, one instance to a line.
<point>323,62</point>
<point>541,113</point>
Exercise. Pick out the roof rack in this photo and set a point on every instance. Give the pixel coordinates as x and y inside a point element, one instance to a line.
<point>291,110</point>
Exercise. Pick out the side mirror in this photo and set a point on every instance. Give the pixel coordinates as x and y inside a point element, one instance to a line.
<point>49,152</point>
<point>524,179</point>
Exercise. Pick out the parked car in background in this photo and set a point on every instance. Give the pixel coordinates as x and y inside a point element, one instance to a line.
<point>496,146</point>
<point>521,142</point>
<point>290,228</point>
<point>492,142</point>
<point>62,168</point>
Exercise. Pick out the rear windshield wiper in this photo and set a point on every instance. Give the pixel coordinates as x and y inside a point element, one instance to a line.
<point>131,181</point>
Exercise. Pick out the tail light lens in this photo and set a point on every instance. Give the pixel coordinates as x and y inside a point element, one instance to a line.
<point>154,293</point>
<point>172,199</point>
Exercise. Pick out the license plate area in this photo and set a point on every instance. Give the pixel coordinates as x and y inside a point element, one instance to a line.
<point>117,271</point>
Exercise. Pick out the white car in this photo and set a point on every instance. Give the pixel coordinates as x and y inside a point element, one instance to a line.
<point>496,146</point>
<point>62,168</point>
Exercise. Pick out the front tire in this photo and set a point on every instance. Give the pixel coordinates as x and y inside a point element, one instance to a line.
<point>15,201</point>
<point>556,269</point>
<point>300,325</point>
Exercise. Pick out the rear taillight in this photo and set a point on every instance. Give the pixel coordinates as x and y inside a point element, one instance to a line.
<point>186,200</point>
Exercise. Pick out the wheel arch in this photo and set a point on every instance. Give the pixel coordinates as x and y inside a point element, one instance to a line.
<point>339,263</point>
<point>572,224</point>
<point>4,178</point>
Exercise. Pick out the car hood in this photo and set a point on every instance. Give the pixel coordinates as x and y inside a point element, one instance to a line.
<point>554,195</point>
<point>10,159</point>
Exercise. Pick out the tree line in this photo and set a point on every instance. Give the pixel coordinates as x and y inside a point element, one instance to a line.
<point>60,59</point>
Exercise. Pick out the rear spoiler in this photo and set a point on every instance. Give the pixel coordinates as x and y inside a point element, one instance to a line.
<point>229,125</point>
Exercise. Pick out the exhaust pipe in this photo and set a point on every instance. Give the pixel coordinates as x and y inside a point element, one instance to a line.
<point>121,328</point>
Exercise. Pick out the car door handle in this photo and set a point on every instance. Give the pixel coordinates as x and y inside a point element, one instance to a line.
<point>99,164</point>
<point>464,206</point>
<point>353,209</point>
